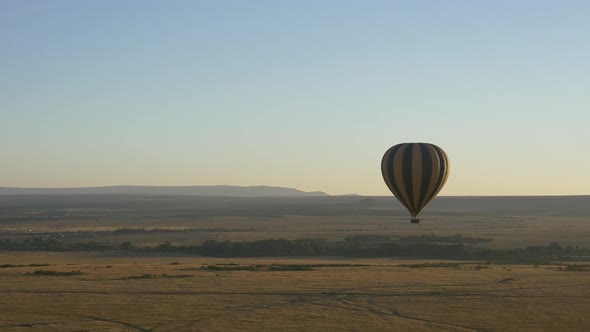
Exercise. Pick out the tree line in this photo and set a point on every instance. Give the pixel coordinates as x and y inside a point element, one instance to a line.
<point>318,247</point>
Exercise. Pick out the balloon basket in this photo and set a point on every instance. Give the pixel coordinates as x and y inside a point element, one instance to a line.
<point>415,221</point>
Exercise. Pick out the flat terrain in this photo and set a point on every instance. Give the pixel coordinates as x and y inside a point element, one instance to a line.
<point>511,222</point>
<point>176,294</point>
<point>142,291</point>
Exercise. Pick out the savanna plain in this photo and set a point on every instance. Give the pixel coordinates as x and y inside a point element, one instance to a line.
<point>187,263</point>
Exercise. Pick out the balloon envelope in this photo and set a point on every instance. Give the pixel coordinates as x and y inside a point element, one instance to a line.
<point>415,173</point>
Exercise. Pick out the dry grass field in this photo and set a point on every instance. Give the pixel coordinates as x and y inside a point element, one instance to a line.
<point>140,291</point>
<point>167,293</point>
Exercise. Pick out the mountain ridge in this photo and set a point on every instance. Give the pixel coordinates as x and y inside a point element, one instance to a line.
<point>213,190</point>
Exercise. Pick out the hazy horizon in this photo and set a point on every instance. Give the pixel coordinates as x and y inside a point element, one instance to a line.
<point>305,95</point>
<point>149,190</point>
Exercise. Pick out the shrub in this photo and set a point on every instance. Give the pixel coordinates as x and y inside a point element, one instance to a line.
<point>56,273</point>
<point>158,276</point>
<point>577,268</point>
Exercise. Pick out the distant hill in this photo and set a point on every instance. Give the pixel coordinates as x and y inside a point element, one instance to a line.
<point>226,191</point>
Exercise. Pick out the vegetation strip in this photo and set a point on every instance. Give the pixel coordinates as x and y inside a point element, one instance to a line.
<point>56,273</point>
<point>318,248</point>
<point>158,276</point>
<point>4,266</point>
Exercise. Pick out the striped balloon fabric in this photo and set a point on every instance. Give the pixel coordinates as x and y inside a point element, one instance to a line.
<point>415,173</point>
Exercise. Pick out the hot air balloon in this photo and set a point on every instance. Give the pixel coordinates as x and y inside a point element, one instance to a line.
<point>415,173</point>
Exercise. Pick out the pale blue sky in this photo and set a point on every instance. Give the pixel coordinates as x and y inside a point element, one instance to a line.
<point>304,94</point>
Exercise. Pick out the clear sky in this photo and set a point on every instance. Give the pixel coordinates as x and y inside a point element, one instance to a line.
<point>304,94</point>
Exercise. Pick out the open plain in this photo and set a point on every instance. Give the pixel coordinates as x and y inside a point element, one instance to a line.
<point>119,290</point>
<point>116,293</point>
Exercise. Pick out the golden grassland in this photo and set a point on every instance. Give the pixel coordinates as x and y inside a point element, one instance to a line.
<point>377,295</point>
<point>131,291</point>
